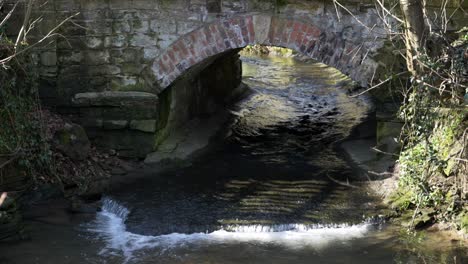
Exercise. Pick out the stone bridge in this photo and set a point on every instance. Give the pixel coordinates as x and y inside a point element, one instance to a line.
<point>128,69</point>
<point>341,49</point>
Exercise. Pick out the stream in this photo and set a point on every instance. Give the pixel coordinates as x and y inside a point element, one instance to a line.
<point>276,189</point>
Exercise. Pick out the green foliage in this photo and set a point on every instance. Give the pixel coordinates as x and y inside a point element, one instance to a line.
<point>281,3</point>
<point>435,121</point>
<point>431,133</point>
<point>21,133</point>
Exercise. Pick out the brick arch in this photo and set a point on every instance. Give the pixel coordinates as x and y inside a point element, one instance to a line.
<point>327,47</point>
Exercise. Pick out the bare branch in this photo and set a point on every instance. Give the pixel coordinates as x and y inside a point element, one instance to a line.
<point>379,84</point>
<point>3,198</point>
<point>22,33</point>
<point>48,35</point>
<point>8,161</point>
<point>355,17</point>
<point>347,184</point>
<point>8,15</point>
<point>387,11</point>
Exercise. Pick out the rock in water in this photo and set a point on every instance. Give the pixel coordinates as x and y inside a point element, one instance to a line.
<point>72,141</point>
<point>11,225</point>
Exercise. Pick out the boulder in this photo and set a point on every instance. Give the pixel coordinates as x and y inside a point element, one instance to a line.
<point>72,141</point>
<point>11,224</point>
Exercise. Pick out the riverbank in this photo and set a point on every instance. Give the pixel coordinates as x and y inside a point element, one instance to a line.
<point>380,173</point>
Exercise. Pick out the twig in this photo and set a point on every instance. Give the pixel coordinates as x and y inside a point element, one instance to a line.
<point>347,184</point>
<point>351,13</point>
<point>8,161</point>
<point>50,34</point>
<point>378,85</point>
<point>3,198</point>
<point>385,173</point>
<point>388,12</point>
<point>383,152</point>
<point>22,33</point>
<point>415,212</point>
<point>9,14</point>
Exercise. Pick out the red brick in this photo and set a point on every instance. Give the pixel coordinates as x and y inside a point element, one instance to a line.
<point>221,45</point>
<point>250,28</point>
<point>209,51</point>
<point>299,39</point>
<point>170,66</point>
<point>293,37</point>
<point>213,29</point>
<point>222,32</point>
<point>193,37</point>
<point>230,35</point>
<point>285,35</point>
<point>170,52</point>
<point>162,66</point>
<point>183,48</point>
<point>175,48</point>
<point>297,26</point>
<point>245,34</point>
<point>207,34</point>
<point>192,61</point>
<point>315,31</point>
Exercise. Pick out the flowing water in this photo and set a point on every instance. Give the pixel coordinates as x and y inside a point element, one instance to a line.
<point>277,189</point>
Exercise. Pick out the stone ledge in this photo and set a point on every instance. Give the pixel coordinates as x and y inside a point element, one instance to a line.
<point>113,99</point>
<point>115,124</point>
<point>143,125</point>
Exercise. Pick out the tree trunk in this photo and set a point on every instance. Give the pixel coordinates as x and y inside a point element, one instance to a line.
<point>415,32</point>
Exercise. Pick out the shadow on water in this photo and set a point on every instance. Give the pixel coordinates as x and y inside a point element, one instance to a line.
<point>274,167</point>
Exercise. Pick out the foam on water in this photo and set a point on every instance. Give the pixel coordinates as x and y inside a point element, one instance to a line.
<point>110,227</point>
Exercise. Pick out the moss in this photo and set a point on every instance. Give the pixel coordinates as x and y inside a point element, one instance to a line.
<point>163,116</point>
<point>464,222</point>
<point>281,3</point>
<point>268,50</point>
<point>137,23</point>
<point>138,87</point>
<point>401,199</point>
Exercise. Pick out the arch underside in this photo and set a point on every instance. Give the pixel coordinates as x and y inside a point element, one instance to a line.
<point>330,48</point>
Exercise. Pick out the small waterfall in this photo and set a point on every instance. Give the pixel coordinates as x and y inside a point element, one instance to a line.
<point>112,207</point>
<point>109,226</point>
<point>281,228</point>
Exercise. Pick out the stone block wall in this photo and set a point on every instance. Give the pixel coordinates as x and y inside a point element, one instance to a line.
<point>122,121</point>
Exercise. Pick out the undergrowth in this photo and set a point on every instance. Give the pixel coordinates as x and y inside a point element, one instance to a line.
<point>433,163</point>
<point>22,141</point>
